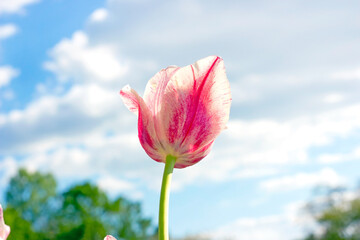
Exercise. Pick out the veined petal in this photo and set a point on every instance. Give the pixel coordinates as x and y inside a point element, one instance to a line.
<point>213,109</point>
<point>109,237</point>
<point>196,105</point>
<point>189,159</point>
<point>131,99</point>
<point>155,88</point>
<point>146,130</point>
<point>4,229</point>
<point>153,97</point>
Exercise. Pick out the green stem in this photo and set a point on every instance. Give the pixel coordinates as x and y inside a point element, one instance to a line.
<point>164,198</point>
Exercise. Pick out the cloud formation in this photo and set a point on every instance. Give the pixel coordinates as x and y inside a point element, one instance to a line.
<point>76,60</point>
<point>7,30</point>
<point>325,177</point>
<point>99,15</point>
<point>15,6</point>
<point>7,73</point>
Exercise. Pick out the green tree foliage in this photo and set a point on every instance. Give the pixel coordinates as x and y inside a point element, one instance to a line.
<point>338,216</point>
<point>34,194</point>
<point>25,231</point>
<point>35,210</point>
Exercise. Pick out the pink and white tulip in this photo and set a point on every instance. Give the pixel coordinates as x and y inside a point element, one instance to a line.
<point>4,229</point>
<point>183,110</point>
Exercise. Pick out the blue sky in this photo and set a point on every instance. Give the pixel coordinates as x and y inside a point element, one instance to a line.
<point>294,71</point>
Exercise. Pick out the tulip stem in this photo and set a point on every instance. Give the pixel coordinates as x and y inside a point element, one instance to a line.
<point>164,198</point>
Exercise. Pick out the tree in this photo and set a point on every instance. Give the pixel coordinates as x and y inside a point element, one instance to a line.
<point>20,228</point>
<point>83,212</point>
<point>31,197</point>
<point>338,216</point>
<point>86,205</point>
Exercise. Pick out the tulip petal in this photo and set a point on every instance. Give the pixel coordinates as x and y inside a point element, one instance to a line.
<point>146,130</point>
<point>196,105</point>
<point>189,159</point>
<point>4,229</point>
<point>153,96</point>
<point>109,237</point>
<point>156,86</point>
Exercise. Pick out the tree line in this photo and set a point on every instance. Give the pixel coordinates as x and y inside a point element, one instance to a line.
<point>37,211</point>
<point>336,212</point>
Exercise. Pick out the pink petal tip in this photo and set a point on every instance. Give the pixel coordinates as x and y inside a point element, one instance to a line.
<point>4,229</point>
<point>109,237</point>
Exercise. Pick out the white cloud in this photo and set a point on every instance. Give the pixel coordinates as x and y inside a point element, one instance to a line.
<point>7,73</point>
<point>99,15</point>
<point>256,172</point>
<point>73,164</point>
<point>63,162</point>
<point>14,6</point>
<point>353,74</point>
<point>328,158</point>
<point>112,184</point>
<point>331,158</point>
<point>325,177</point>
<point>291,223</point>
<point>276,227</point>
<point>275,94</point>
<point>265,142</point>
<point>95,154</point>
<point>8,168</point>
<point>75,59</point>
<point>81,111</point>
<point>7,30</point>
<point>171,25</point>
<point>333,98</point>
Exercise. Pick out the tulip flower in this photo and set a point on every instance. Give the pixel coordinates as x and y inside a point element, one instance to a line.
<point>4,229</point>
<point>182,112</point>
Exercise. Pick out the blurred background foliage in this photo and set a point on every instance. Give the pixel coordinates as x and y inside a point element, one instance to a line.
<point>35,210</point>
<point>336,212</point>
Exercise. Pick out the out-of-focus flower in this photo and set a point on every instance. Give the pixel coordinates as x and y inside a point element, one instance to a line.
<point>4,229</point>
<point>109,237</point>
<point>183,110</point>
